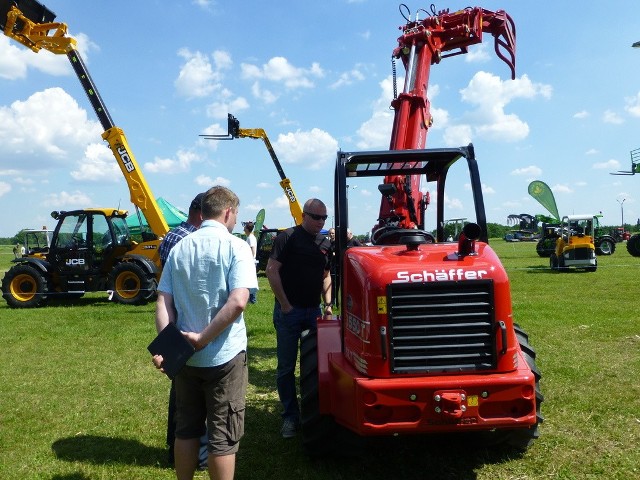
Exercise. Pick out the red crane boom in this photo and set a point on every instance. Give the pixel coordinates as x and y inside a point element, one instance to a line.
<point>422,44</point>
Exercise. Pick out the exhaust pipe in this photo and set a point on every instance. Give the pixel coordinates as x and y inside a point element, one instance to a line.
<point>467,240</point>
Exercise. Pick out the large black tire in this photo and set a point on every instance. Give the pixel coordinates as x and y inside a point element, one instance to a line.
<point>522,438</point>
<point>561,266</point>
<point>321,435</point>
<point>545,247</point>
<point>24,286</point>
<point>633,245</point>
<point>605,246</point>
<point>130,284</point>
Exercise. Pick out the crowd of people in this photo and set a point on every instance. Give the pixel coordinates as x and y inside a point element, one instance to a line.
<point>209,277</point>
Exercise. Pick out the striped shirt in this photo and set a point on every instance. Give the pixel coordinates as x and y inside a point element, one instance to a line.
<point>172,238</point>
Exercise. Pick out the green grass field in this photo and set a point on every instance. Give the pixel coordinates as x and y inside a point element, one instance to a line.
<point>80,398</point>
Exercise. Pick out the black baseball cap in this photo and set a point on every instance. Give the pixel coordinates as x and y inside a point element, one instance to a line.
<point>196,203</point>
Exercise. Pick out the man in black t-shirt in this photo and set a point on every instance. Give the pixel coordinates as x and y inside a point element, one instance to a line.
<point>298,272</point>
<point>351,240</point>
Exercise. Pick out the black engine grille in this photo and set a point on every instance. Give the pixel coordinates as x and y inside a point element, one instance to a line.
<point>579,254</point>
<point>441,326</point>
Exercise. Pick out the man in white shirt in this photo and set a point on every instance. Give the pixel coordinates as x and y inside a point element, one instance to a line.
<point>253,244</point>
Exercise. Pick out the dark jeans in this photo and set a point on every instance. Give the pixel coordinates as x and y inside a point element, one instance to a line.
<point>289,327</point>
<point>334,288</point>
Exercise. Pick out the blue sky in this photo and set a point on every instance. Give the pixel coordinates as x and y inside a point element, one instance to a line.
<point>316,76</point>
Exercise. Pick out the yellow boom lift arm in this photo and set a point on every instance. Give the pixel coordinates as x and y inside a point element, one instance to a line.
<point>234,131</point>
<point>32,25</point>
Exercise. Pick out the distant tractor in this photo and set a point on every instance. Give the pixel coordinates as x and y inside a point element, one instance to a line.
<point>547,243</point>
<point>527,230</point>
<point>90,250</point>
<point>604,243</point>
<point>575,244</point>
<point>620,234</point>
<point>37,241</point>
<point>265,243</point>
<point>633,241</point>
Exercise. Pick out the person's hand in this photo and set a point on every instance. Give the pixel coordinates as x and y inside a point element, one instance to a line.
<point>327,312</point>
<point>287,309</point>
<point>157,362</point>
<point>194,339</point>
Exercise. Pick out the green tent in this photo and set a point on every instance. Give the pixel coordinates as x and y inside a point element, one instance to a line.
<point>173,216</point>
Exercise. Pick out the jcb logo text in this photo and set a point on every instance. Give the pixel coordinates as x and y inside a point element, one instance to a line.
<point>126,160</point>
<point>72,262</point>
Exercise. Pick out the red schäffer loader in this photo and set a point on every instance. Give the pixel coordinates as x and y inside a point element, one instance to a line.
<point>425,342</point>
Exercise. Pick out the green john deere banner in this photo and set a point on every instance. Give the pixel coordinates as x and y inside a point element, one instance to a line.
<point>259,221</point>
<point>541,192</point>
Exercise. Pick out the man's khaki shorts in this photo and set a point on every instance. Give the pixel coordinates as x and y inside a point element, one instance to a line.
<point>217,395</point>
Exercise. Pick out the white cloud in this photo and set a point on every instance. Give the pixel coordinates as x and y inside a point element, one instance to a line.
<point>456,135</point>
<point>33,129</point>
<point>13,61</point>
<point>278,69</point>
<point>67,200</point>
<point>220,109</point>
<point>581,114</point>
<point>530,171</point>
<point>608,165</point>
<point>182,163</point>
<point>267,96</point>
<point>491,95</point>
<point>452,203</point>
<point>633,105</point>
<point>349,78</point>
<point>27,182</point>
<point>198,77</point>
<point>314,148</point>
<point>609,116</point>
<point>440,118</point>
<point>559,188</point>
<point>97,165</point>
<point>281,202</point>
<point>204,4</point>
<point>4,188</point>
<point>208,182</point>
<point>486,189</point>
<point>16,61</point>
<point>478,54</point>
<point>376,131</point>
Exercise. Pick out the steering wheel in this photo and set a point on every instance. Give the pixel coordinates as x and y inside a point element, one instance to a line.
<point>401,236</point>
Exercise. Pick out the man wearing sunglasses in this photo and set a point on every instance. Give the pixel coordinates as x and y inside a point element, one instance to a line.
<point>298,272</point>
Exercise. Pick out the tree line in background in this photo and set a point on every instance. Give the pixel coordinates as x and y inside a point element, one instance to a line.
<point>495,230</point>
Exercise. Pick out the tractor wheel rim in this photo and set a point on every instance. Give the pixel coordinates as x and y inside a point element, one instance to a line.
<point>127,285</point>
<point>23,287</point>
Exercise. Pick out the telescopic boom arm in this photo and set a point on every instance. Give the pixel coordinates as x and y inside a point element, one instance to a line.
<point>422,44</point>
<point>234,131</point>
<point>32,25</point>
